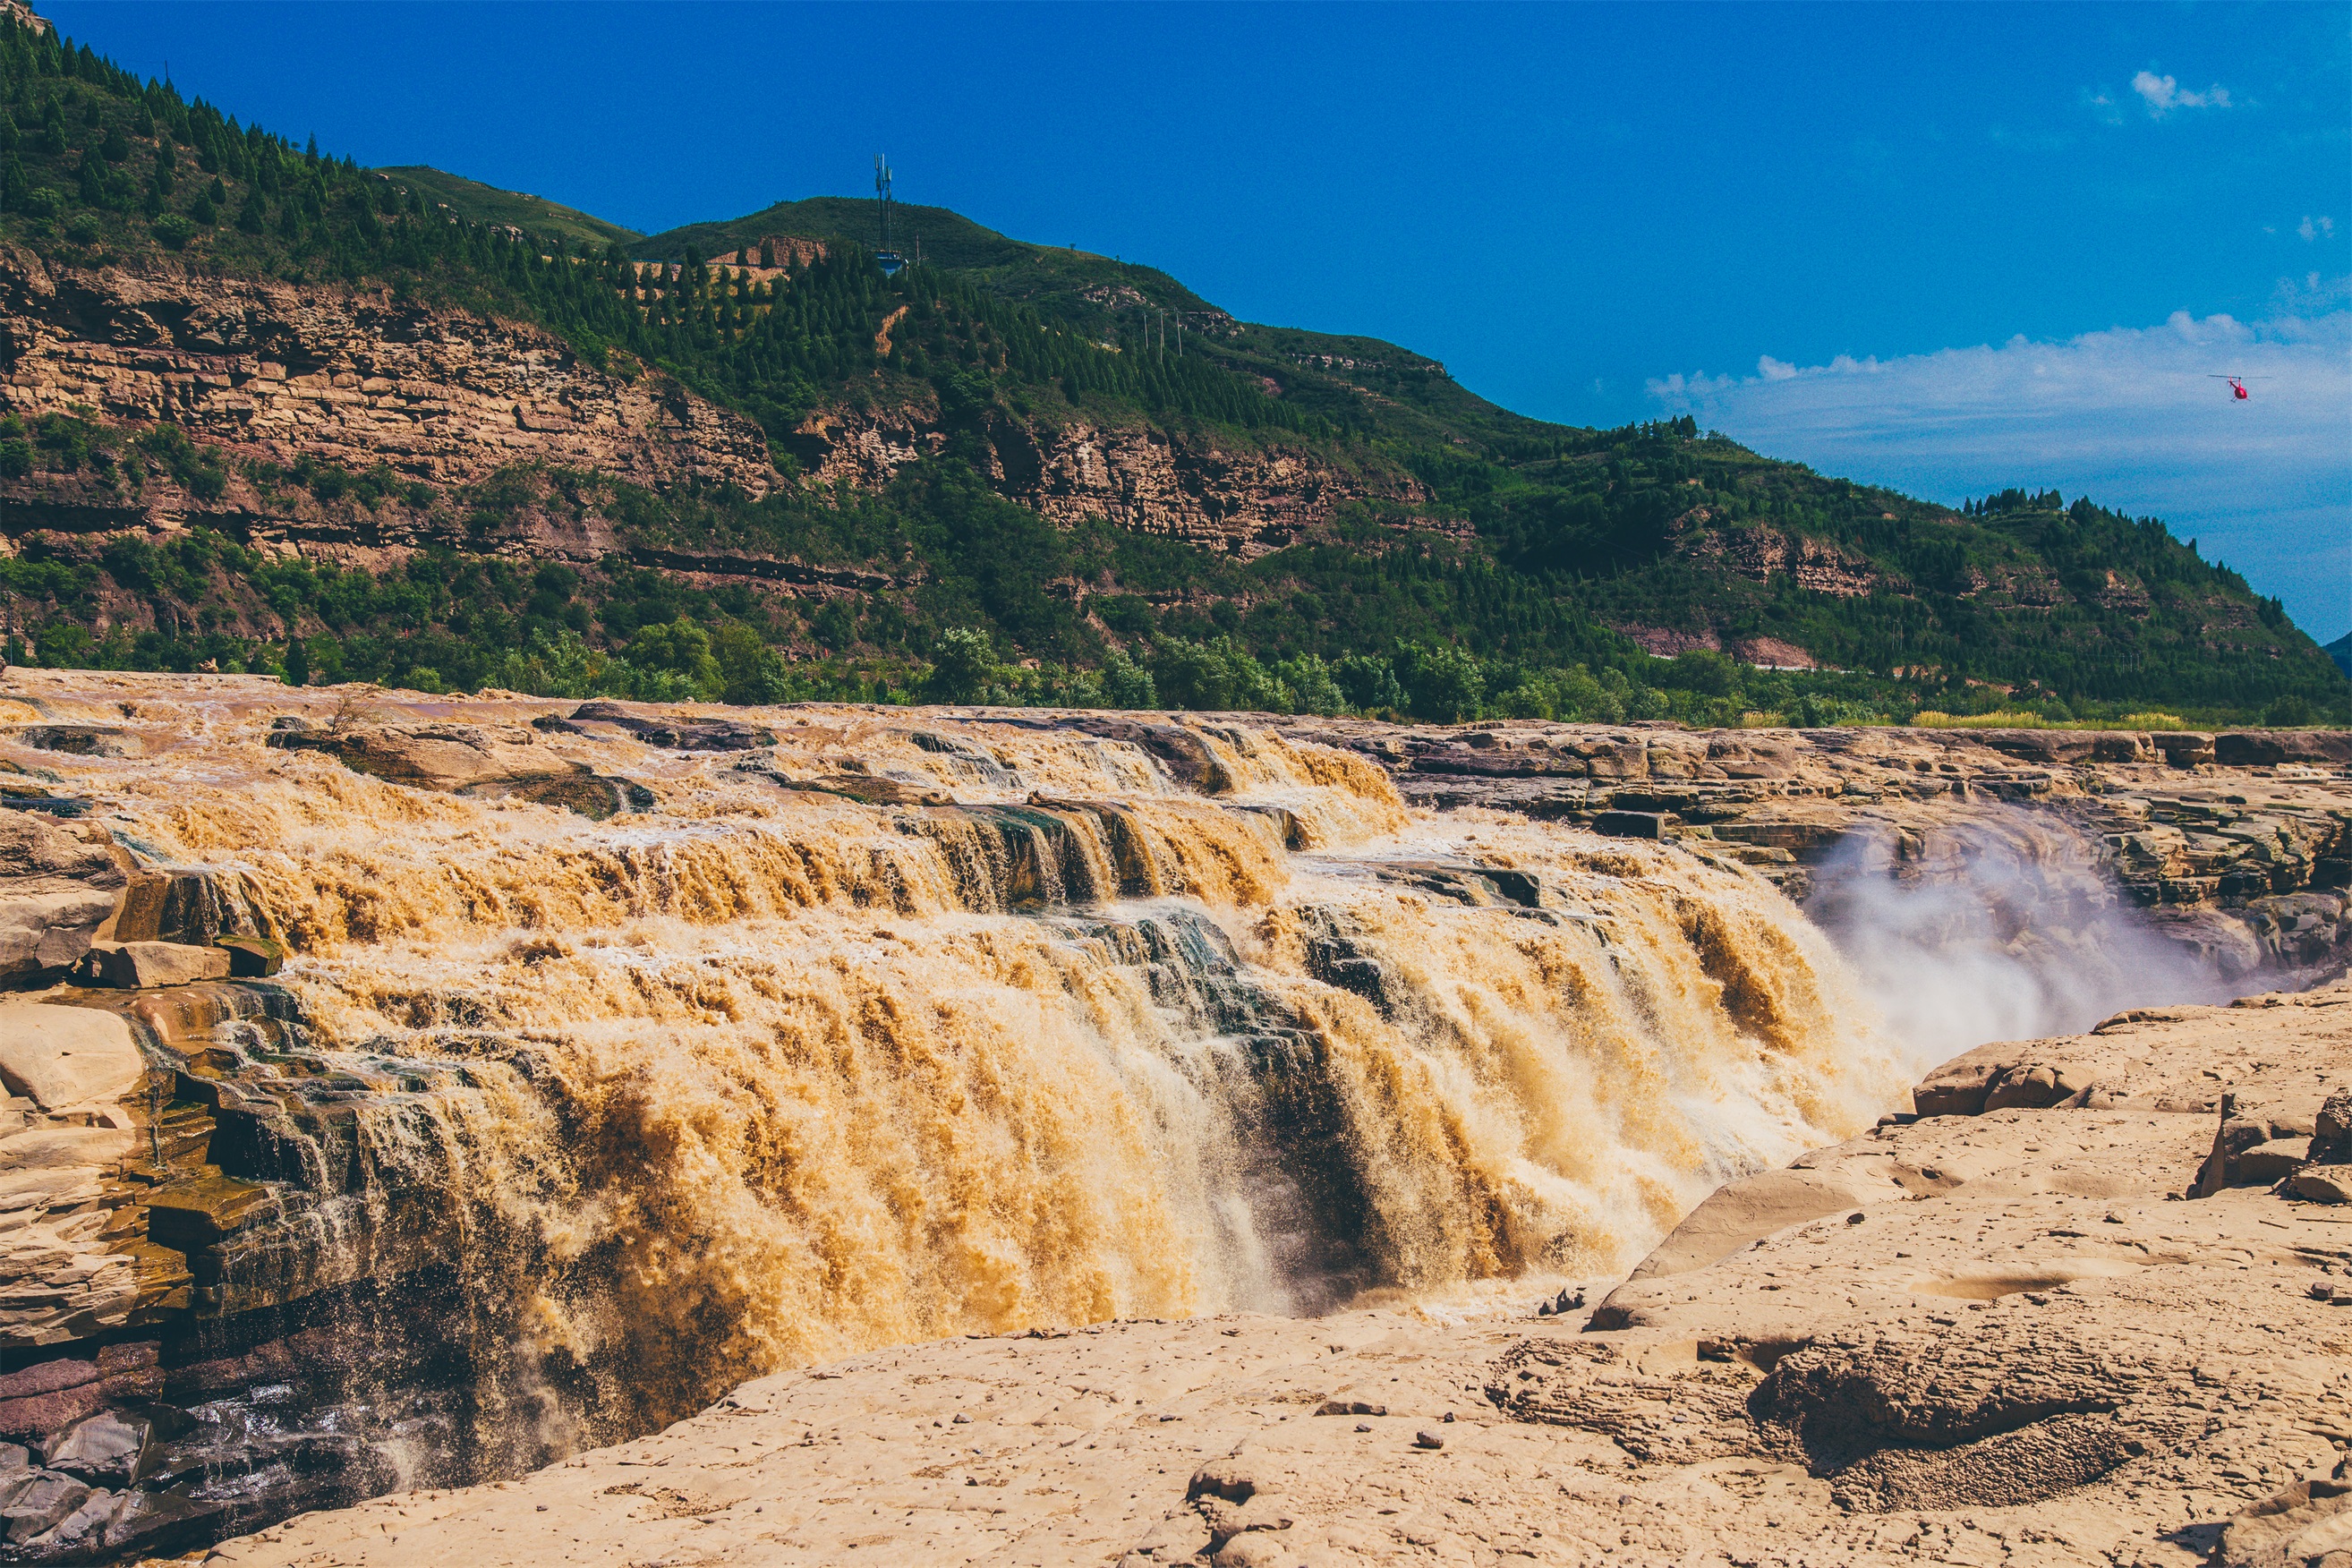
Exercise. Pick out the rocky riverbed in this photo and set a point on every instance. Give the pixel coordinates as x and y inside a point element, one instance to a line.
<point>413,1092</point>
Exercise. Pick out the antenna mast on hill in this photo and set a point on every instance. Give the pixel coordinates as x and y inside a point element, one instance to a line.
<point>889,260</point>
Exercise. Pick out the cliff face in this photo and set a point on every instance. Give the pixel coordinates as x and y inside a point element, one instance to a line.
<point>1247,500</point>
<point>277,372</point>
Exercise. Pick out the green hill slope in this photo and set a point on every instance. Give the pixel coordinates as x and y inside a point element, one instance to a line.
<point>947,238</point>
<point>1446,556</point>
<point>478,203</point>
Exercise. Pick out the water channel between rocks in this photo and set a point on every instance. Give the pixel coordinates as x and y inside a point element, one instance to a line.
<point>589,1094</point>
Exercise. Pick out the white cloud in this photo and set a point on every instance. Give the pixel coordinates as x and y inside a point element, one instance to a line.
<point>2126,416</point>
<point>2312,229</point>
<point>2163,94</point>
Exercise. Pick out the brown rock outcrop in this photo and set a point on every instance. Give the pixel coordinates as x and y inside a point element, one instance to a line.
<point>1247,498</point>
<point>1761,553</point>
<point>340,375</point>
<point>57,890</point>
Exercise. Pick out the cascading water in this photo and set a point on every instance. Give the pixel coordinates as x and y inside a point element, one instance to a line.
<point>882,1034</point>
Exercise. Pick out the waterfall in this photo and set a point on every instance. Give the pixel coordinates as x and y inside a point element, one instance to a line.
<point>890,1033</point>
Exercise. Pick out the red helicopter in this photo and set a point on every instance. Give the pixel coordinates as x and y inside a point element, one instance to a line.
<point>2237,383</point>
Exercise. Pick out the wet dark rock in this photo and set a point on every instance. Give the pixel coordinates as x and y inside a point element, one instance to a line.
<point>35,1504</point>
<point>669,731</point>
<point>82,740</point>
<point>442,756</point>
<point>110,1449</point>
<point>150,1523</point>
<point>964,760</point>
<point>1465,882</point>
<point>57,805</point>
<point>1339,963</point>
<point>184,905</point>
<point>864,788</point>
<point>253,957</point>
<point>596,796</point>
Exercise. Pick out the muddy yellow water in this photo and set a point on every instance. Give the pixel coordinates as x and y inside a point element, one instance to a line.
<point>767,1074</point>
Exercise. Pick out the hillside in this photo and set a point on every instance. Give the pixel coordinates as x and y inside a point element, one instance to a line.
<point>948,238</point>
<point>478,203</point>
<point>440,434</point>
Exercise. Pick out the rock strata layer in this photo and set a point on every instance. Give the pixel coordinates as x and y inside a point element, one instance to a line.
<point>341,376</point>
<point>2234,844</point>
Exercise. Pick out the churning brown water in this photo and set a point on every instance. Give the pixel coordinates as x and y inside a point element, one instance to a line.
<point>771,1074</point>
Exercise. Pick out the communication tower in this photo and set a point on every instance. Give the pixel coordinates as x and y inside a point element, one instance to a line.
<point>889,260</point>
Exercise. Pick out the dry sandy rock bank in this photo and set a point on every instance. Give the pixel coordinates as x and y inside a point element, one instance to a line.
<point>2009,1336</point>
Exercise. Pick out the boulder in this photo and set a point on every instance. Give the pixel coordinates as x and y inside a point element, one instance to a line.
<point>2331,1130</point>
<point>110,1449</point>
<point>80,1532</point>
<point>1996,1076</point>
<point>146,966</point>
<point>2270,1162</point>
<point>182,904</point>
<point>2306,1525</point>
<point>252,957</point>
<point>2184,748</point>
<point>35,1504</point>
<point>56,891</point>
<point>60,1057</point>
<point>2322,1183</point>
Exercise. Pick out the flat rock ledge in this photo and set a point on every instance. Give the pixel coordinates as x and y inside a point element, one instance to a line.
<point>2003,1334</point>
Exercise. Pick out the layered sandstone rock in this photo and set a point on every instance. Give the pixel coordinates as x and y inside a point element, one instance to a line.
<point>2235,844</point>
<point>1245,497</point>
<point>280,373</point>
<point>57,890</point>
<point>343,376</point>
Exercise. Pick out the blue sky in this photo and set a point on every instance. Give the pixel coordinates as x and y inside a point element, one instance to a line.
<point>1945,248</point>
